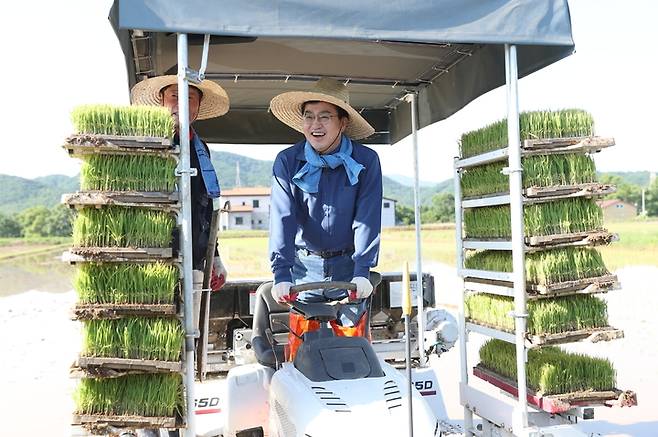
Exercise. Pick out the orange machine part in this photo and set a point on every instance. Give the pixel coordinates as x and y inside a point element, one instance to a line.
<point>299,325</point>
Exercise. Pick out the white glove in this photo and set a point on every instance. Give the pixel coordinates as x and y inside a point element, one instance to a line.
<point>281,290</point>
<point>363,287</point>
<point>219,267</point>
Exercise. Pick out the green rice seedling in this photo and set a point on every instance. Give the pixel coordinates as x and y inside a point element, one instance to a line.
<point>538,171</point>
<point>150,121</point>
<point>122,227</point>
<point>124,173</point>
<point>110,283</point>
<point>550,218</point>
<point>554,316</point>
<point>545,267</point>
<point>134,338</point>
<point>154,395</point>
<point>533,125</point>
<point>550,370</point>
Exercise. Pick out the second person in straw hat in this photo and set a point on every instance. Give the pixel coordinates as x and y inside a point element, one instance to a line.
<point>325,217</point>
<point>206,100</point>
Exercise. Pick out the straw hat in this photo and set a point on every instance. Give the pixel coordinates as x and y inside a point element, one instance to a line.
<point>214,102</point>
<point>287,107</point>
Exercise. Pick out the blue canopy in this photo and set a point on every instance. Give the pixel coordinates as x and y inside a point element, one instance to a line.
<point>448,51</point>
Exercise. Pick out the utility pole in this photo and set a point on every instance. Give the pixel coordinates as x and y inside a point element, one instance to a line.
<point>237,174</point>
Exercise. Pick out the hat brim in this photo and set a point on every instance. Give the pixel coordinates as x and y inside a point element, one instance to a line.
<point>287,107</point>
<point>214,103</point>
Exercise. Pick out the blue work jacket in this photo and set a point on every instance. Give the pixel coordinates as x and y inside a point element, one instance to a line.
<point>339,216</point>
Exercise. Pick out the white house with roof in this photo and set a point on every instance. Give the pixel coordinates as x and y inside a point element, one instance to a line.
<point>249,208</point>
<point>388,212</point>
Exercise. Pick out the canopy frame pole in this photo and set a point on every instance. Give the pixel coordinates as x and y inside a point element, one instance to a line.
<point>185,173</point>
<point>412,98</point>
<point>463,335</point>
<point>514,170</point>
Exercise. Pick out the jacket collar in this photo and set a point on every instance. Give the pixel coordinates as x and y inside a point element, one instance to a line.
<point>300,151</point>
<point>299,155</point>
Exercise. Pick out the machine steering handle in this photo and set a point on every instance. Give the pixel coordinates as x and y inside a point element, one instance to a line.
<point>324,285</point>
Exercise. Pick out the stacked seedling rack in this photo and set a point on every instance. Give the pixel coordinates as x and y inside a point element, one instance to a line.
<point>562,270</point>
<point>128,277</point>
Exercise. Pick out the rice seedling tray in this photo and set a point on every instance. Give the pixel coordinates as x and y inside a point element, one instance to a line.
<point>117,254</point>
<point>542,194</point>
<point>100,423</point>
<point>600,284</point>
<point>561,403</point>
<point>96,365</point>
<point>541,147</point>
<point>84,144</point>
<point>116,311</point>
<point>592,335</point>
<point>144,199</point>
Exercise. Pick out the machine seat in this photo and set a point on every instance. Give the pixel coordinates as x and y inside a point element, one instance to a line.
<point>270,316</point>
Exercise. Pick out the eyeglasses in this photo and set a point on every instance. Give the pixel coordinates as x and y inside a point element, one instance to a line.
<point>324,118</point>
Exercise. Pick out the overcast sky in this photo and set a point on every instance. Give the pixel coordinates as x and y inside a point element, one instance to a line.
<point>58,55</point>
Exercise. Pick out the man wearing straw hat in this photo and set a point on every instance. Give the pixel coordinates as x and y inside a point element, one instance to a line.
<point>207,100</point>
<point>325,217</point>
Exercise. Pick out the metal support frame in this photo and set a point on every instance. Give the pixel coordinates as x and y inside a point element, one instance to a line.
<point>518,253</point>
<point>516,245</point>
<point>412,98</point>
<point>461,317</point>
<point>186,228</point>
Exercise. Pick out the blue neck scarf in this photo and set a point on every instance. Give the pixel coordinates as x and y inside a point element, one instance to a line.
<point>207,170</point>
<point>308,177</point>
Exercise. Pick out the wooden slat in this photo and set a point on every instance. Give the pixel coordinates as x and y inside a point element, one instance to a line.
<point>599,284</point>
<point>541,242</point>
<point>116,254</point>
<point>97,364</point>
<point>548,146</point>
<point>567,145</point>
<point>559,403</point>
<point>124,141</point>
<point>563,191</point>
<point>581,286</point>
<point>144,199</point>
<point>598,237</point>
<point>99,422</point>
<point>117,311</point>
<point>538,194</point>
<point>593,335</point>
<point>81,145</point>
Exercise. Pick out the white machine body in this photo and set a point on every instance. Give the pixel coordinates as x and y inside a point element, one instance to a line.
<point>292,405</point>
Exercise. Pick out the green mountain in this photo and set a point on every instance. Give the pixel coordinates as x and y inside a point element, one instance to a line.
<point>640,178</point>
<point>405,194</point>
<point>17,194</point>
<point>253,172</point>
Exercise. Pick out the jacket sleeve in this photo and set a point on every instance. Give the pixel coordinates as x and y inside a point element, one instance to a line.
<point>368,219</point>
<point>283,223</point>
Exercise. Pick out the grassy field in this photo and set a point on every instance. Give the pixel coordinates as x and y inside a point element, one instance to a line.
<point>247,257</point>
<point>11,248</point>
<point>245,252</point>
<point>638,244</point>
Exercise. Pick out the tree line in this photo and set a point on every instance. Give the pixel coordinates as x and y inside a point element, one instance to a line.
<point>38,221</point>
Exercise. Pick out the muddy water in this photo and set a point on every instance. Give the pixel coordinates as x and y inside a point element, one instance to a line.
<point>44,272</point>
